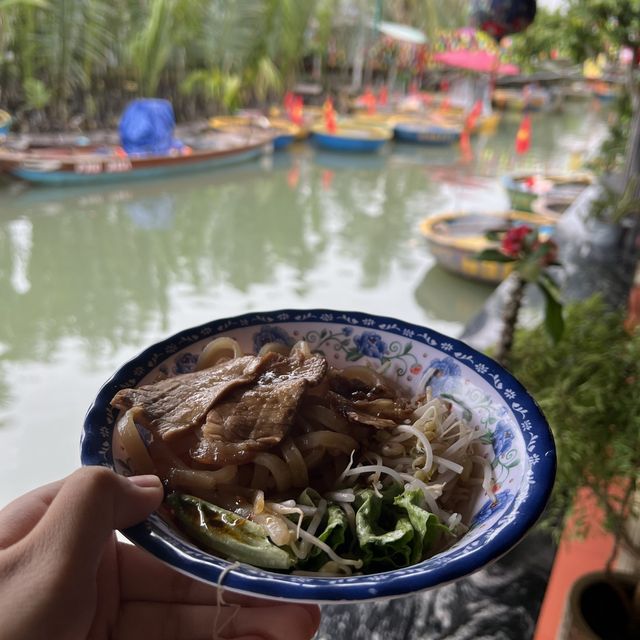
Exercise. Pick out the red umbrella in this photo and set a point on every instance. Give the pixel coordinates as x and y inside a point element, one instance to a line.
<point>476,60</point>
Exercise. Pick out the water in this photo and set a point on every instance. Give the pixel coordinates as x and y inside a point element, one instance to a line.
<point>89,277</point>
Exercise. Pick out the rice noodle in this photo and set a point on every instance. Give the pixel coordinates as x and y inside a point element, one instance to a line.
<point>139,459</point>
<point>218,350</point>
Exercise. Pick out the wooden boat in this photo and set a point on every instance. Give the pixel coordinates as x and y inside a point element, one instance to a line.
<point>351,136</point>
<point>427,131</point>
<point>455,239</point>
<point>523,188</point>
<point>110,164</point>
<point>5,123</point>
<point>283,132</point>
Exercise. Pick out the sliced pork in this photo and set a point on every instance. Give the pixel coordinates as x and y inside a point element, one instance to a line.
<point>172,406</point>
<point>257,417</point>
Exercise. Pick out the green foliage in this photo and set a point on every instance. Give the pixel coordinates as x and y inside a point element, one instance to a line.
<point>588,386</point>
<point>37,96</point>
<point>152,46</point>
<point>613,206</point>
<point>613,149</point>
<point>536,42</point>
<point>593,26</point>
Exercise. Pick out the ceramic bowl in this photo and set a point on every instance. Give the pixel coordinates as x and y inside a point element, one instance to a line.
<point>516,440</point>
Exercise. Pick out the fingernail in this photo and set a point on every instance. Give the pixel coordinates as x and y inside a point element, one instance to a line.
<point>146,482</point>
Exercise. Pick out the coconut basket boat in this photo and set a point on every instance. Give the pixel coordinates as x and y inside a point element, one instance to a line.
<point>283,132</point>
<point>523,188</point>
<point>351,136</point>
<point>427,131</point>
<point>456,238</point>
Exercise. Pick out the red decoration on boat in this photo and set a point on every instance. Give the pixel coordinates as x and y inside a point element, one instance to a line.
<point>297,112</point>
<point>369,101</point>
<point>329,116</point>
<point>523,137</point>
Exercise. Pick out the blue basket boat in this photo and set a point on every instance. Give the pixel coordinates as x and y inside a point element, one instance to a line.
<point>425,132</point>
<point>351,137</point>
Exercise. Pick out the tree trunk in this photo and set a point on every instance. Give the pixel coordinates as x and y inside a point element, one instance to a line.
<point>510,318</point>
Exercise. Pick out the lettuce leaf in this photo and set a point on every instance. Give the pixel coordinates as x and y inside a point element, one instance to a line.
<point>384,533</point>
<point>426,525</point>
<point>336,534</point>
<point>394,530</point>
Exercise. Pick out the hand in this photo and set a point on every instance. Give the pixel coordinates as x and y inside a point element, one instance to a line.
<point>64,575</point>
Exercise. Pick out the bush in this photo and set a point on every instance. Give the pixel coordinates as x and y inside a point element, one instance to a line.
<point>588,386</point>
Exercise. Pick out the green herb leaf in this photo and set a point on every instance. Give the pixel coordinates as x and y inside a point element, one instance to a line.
<point>553,319</point>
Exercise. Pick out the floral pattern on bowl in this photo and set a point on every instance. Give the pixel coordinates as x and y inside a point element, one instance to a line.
<point>515,438</point>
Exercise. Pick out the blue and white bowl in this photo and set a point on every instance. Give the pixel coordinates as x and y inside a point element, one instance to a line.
<point>516,438</point>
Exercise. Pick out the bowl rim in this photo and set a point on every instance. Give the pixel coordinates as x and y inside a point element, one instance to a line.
<point>398,582</point>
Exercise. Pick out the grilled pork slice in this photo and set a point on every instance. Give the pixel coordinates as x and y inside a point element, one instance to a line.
<point>257,417</point>
<point>172,406</point>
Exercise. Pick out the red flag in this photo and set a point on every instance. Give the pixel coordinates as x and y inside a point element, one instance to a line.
<point>523,137</point>
<point>296,114</point>
<point>369,101</point>
<point>329,116</point>
<point>473,116</point>
<point>288,101</point>
<point>383,96</point>
<point>465,136</point>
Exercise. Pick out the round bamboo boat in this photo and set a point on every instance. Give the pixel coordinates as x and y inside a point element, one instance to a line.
<point>456,238</point>
<point>524,187</point>
<point>351,136</point>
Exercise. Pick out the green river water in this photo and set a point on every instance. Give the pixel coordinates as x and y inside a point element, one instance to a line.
<point>89,277</point>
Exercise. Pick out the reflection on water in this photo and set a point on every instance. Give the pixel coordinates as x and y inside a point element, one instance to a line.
<point>90,276</point>
<point>434,293</point>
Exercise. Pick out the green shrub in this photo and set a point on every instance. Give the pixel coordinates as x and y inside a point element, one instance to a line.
<point>588,386</point>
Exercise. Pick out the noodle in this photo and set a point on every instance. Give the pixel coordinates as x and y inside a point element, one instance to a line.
<point>139,458</point>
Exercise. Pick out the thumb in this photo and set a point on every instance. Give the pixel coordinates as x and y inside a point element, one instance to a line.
<point>91,504</point>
